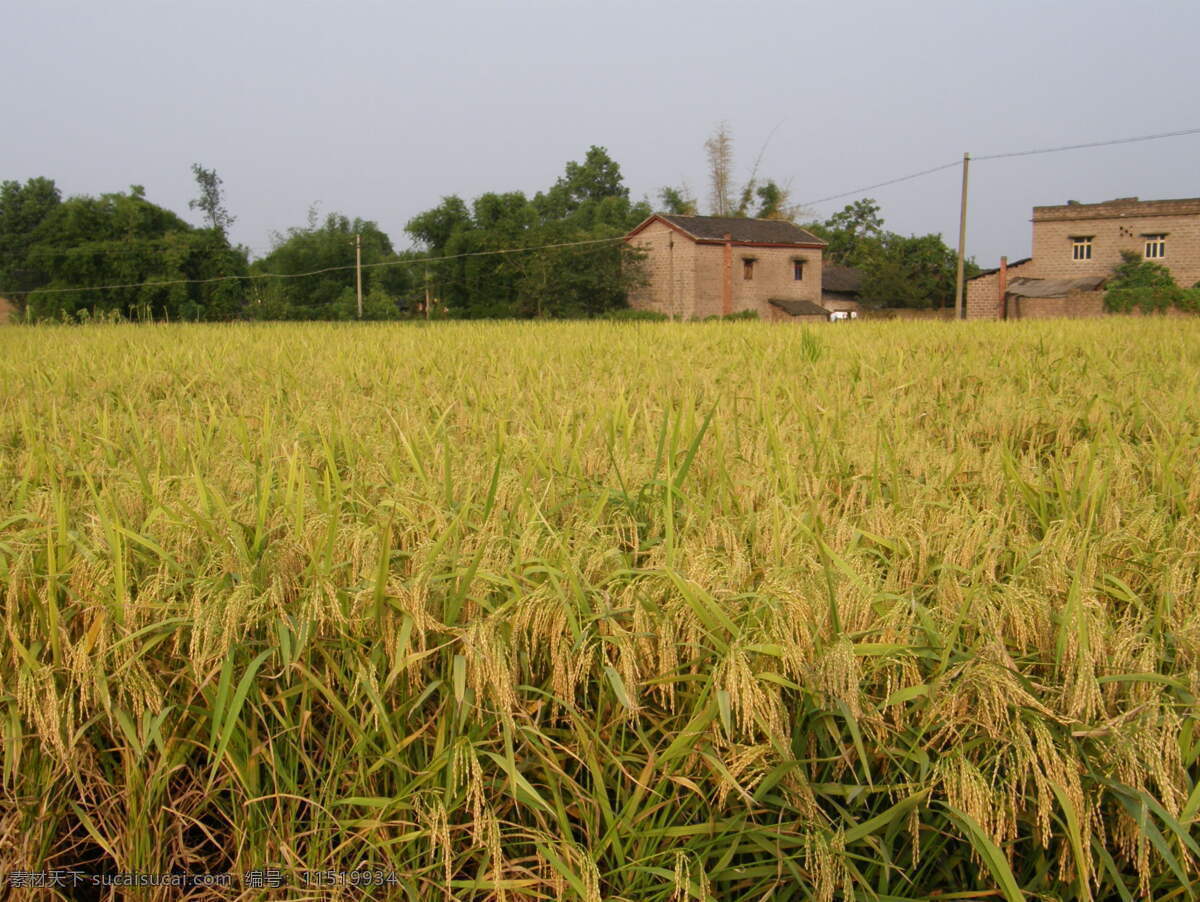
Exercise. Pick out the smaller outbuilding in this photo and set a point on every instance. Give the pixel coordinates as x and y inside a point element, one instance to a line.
<point>1040,298</point>
<point>841,288</point>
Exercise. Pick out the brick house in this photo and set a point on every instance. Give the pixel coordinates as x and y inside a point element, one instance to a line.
<point>698,266</point>
<point>1076,246</point>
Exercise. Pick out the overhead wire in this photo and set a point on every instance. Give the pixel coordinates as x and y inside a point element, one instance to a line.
<point>316,272</point>
<point>1030,153</point>
<point>1002,156</point>
<point>516,250</point>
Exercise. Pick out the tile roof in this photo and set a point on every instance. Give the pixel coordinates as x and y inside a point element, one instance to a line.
<point>840,278</point>
<point>754,231</point>
<point>1053,288</point>
<point>991,272</point>
<point>800,308</point>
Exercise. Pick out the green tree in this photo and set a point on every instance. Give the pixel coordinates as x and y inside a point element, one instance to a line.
<point>897,270</point>
<point>23,208</point>
<point>121,253</point>
<point>854,233</point>
<point>597,177</point>
<point>678,201</point>
<point>1146,285</point>
<point>326,250</point>
<point>772,201</point>
<point>211,200</point>
<point>912,271</point>
<point>552,255</point>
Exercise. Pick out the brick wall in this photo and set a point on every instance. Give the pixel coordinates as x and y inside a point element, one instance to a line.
<point>710,275</point>
<point>983,292</point>
<point>983,297</point>
<point>1116,226</point>
<point>1073,306</point>
<point>670,267</point>
<point>774,277</point>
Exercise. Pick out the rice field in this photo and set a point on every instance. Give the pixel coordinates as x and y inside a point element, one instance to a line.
<point>609,611</point>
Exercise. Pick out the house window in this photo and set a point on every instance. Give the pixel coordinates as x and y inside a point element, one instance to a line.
<point>798,270</point>
<point>1081,248</point>
<point>748,268</point>
<point>1156,246</point>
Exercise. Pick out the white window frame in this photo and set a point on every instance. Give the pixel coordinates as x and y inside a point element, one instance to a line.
<point>1081,247</point>
<point>1156,246</point>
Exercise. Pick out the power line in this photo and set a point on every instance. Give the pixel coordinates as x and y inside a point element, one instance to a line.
<point>1002,156</point>
<point>896,181</point>
<point>518,250</point>
<point>1029,153</point>
<point>317,272</point>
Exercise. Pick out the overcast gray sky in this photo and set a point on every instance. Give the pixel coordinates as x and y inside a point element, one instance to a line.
<point>378,109</point>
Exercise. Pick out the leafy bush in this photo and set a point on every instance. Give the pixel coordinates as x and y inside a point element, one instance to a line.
<point>1144,298</point>
<point>740,315</point>
<point>1189,299</point>
<point>1134,272</point>
<point>1147,286</point>
<point>626,314</point>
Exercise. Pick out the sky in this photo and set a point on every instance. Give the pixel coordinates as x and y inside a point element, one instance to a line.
<point>379,109</point>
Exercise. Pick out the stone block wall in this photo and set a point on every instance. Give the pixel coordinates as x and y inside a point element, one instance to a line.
<point>670,268</point>
<point>1116,226</point>
<point>1077,305</point>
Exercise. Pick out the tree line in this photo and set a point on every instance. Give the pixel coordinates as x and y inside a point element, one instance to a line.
<point>555,254</point>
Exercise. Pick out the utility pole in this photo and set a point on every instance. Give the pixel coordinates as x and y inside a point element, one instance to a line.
<point>960,311</point>
<point>358,271</point>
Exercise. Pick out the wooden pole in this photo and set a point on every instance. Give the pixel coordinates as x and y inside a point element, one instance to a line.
<point>358,271</point>
<point>960,311</point>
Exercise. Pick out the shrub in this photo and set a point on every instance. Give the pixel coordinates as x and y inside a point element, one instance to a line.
<point>626,314</point>
<point>1134,272</point>
<point>740,315</point>
<point>1143,284</point>
<point>1144,298</point>
<point>1189,299</point>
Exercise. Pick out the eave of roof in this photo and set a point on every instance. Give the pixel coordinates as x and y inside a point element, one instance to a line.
<point>1053,288</point>
<point>771,233</point>
<point>799,308</point>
